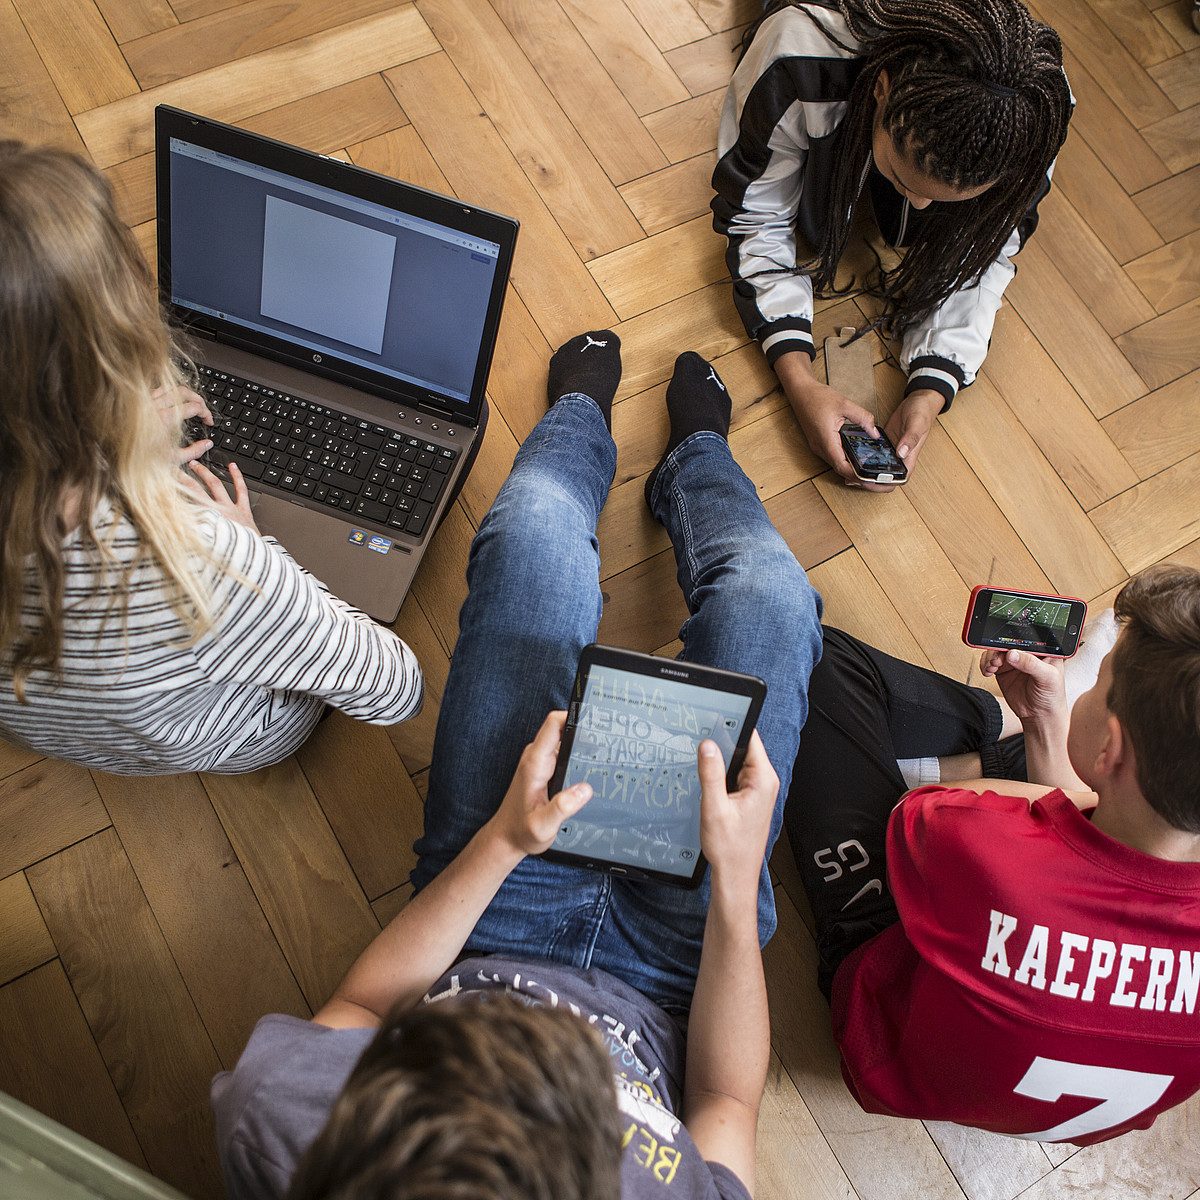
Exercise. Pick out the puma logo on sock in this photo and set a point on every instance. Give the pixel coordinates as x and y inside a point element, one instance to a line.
<point>591,341</point>
<point>713,376</point>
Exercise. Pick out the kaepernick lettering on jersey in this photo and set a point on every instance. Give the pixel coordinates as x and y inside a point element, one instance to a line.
<point>1085,966</point>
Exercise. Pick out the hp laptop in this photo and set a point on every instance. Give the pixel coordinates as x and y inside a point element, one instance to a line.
<point>343,324</point>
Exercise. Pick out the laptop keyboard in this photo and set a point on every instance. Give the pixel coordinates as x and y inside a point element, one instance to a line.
<point>355,467</point>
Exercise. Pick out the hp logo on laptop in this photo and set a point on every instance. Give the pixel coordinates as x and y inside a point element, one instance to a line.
<point>316,358</point>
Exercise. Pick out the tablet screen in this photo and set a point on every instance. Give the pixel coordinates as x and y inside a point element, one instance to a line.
<point>635,741</point>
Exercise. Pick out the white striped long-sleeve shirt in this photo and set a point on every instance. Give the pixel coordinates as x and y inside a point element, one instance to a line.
<point>135,698</point>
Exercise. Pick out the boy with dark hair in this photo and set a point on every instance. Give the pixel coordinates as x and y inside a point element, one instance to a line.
<point>631,964</point>
<point>1031,963</point>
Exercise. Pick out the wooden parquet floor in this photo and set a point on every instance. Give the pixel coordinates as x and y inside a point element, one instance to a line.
<point>146,924</point>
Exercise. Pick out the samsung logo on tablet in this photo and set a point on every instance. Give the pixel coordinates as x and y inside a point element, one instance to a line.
<point>677,674</point>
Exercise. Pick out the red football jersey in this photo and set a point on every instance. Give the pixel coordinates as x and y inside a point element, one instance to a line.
<point>1042,980</point>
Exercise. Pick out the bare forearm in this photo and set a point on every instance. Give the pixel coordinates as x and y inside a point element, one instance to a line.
<point>1046,757</point>
<point>425,937</point>
<point>729,1029</point>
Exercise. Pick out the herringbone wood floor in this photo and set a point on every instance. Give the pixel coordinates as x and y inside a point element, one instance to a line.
<point>145,924</point>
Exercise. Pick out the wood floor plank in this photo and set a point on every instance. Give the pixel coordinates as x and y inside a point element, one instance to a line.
<point>30,107</point>
<point>557,290</point>
<point>1069,549</point>
<point>1105,126</point>
<point>1165,348</point>
<point>79,52</point>
<point>706,65</point>
<point>1150,521</point>
<point>1176,20</point>
<point>517,385</point>
<point>668,22</point>
<point>661,268</point>
<point>1145,38</point>
<point>299,874</point>
<point>704,321</point>
<point>129,19</point>
<point>133,187</point>
<point>15,758</point>
<point>1179,78</point>
<point>726,14</point>
<point>1076,341</point>
<point>441,582</point>
<point>368,798</point>
<point>807,525</point>
<point>966,522</point>
<point>643,606</point>
<point>791,1148</point>
<point>137,1006</point>
<point>1160,1162</point>
<point>551,152</point>
<point>263,81</point>
<point>891,538</point>
<point>1171,275</point>
<point>1089,267</point>
<point>49,1060</point>
<point>856,603</point>
<point>673,195</point>
<point>333,119</point>
<point>203,905</point>
<point>25,941</point>
<point>491,469</point>
<point>1107,60</point>
<point>1160,429</point>
<point>1087,181</point>
<point>989,1166</point>
<point>636,64</point>
<point>31,828</point>
<point>628,534</point>
<point>1176,140</point>
<point>236,32</point>
<point>401,154</point>
<point>689,128</point>
<point>587,94</point>
<point>413,739</point>
<point>883,1157</point>
<point>1173,206</point>
<point>1065,429</point>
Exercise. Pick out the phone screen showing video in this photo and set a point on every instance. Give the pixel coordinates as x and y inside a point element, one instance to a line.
<point>635,742</point>
<point>871,455</point>
<point>1030,623</point>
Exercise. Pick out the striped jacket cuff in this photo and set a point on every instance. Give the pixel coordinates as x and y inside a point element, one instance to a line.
<point>792,333</point>
<point>940,374</point>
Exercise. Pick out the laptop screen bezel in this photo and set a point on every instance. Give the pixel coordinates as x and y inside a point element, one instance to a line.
<point>469,220</point>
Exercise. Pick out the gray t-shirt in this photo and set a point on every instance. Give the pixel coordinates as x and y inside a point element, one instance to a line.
<point>271,1107</point>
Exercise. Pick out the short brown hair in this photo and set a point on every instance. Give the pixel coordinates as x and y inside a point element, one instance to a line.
<point>483,1098</point>
<point>1155,691</point>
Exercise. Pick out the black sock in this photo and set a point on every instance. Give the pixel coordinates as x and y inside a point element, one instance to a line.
<point>591,364</point>
<point>696,401</point>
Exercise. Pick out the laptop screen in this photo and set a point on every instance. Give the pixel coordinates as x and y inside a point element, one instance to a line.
<point>371,286</point>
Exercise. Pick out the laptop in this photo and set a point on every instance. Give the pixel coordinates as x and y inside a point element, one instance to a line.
<point>343,324</point>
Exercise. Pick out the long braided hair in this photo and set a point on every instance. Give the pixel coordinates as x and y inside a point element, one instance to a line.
<point>977,95</point>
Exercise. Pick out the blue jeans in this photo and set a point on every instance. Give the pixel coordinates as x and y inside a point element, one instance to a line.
<point>534,602</point>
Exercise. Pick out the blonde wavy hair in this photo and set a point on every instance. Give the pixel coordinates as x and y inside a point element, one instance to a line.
<point>86,358</point>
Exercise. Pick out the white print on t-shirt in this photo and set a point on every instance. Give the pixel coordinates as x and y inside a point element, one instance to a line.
<point>617,1037</point>
<point>1114,969</point>
<point>1124,1095</point>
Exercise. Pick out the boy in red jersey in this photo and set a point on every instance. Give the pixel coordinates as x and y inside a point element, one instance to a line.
<point>1031,962</point>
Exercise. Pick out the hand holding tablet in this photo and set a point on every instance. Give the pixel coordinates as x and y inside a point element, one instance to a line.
<point>633,730</point>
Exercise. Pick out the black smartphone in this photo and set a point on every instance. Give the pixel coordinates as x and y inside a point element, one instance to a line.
<point>1000,619</point>
<point>874,459</point>
<point>633,727</point>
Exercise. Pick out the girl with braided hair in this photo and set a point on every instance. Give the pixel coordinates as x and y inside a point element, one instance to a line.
<point>944,117</point>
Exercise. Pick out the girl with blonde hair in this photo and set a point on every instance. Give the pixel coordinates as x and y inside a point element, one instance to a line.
<point>146,627</point>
